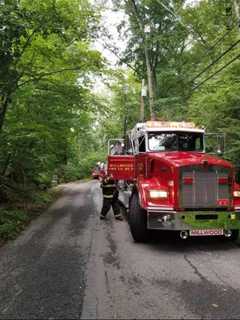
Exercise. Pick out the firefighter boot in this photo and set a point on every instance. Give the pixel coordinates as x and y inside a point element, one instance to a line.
<point>118,217</point>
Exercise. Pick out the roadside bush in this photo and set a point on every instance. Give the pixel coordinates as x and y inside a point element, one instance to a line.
<point>11,222</point>
<point>71,172</point>
<point>89,162</point>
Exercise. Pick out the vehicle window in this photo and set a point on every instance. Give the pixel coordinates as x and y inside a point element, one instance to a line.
<point>175,141</point>
<point>162,142</point>
<point>142,144</point>
<point>116,148</point>
<point>189,142</point>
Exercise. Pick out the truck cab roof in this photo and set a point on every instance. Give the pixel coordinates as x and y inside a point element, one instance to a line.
<point>151,126</point>
<point>161,136</point>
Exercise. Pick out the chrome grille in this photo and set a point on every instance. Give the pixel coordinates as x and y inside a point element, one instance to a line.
<point>200,187</point>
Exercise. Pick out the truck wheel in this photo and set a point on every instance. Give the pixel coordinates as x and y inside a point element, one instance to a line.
<point>235,235</point>
<point>138,220</point>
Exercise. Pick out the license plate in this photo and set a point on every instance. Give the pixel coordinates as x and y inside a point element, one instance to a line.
<point>206,232</point>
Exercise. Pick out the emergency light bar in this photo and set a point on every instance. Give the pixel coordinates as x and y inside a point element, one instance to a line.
<point>171,124</point>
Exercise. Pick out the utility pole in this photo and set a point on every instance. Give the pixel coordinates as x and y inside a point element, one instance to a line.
<point>151,91</point>
<point>143,94</point>
<point>125,90</point>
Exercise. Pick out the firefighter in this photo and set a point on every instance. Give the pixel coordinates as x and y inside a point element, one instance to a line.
<point>117,148</point>
<point>110,198</point>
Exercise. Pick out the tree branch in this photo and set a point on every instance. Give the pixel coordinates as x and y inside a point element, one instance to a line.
<point>106,46</point>
<point>27,43</point>
<point>46,74</point>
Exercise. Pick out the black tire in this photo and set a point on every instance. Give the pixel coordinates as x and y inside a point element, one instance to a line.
<point>234,235</point>
<point>138,220</point>
<point>127,214</point>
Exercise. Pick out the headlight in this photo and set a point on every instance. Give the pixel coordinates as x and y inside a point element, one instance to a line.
<point>236,194</point>
<point>155,194</point>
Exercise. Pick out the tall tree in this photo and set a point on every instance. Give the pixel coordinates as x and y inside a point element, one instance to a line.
<point>156,42</point>
<point>40,39</point>
<point>45,89</point>
<point>213,67</point>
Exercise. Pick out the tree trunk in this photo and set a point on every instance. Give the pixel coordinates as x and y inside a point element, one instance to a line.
<point>6,164</point>
<point>155,86</point>
<point>237,10</point>
<point>4,101</point>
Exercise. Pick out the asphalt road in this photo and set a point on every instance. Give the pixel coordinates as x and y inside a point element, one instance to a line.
<point>69,264</point>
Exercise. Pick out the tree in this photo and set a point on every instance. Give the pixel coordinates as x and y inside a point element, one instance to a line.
<point>157,39</point>
<point>46,67</point>
<point>40,39</point>
<point>121,110</point>
<point>214,103</point>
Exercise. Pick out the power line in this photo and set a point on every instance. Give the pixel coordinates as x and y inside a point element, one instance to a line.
<point>220,39</point>
<point>107,47</point>
<point>219,70</point>
<point>215,61</point>
<point>177,17</point>
<point>187,27</point>
<point>211,47</point>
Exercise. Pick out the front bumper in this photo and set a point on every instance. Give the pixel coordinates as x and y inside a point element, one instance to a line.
<point>167,219</point>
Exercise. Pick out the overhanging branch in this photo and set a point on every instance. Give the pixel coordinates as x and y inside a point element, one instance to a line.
<point>47,74</point>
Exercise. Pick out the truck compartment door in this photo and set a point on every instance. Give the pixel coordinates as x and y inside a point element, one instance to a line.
<point>121,167</point>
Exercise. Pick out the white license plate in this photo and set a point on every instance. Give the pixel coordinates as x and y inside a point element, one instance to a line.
<point>206,232</point>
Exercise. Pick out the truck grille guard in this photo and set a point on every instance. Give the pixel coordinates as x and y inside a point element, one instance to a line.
<point>204,187</point>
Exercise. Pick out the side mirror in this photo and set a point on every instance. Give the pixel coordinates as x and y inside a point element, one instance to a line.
<point>215,143</point>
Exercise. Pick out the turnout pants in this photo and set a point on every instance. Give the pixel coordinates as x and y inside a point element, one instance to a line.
<point>108,203</point>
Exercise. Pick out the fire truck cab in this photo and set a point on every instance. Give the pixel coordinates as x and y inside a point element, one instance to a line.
<point>174,184</point>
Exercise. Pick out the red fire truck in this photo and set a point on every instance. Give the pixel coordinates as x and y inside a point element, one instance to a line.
<point>173,184</point>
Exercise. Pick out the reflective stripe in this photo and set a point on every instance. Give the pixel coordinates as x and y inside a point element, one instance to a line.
<point>109,186</point>
<point>108,196</point>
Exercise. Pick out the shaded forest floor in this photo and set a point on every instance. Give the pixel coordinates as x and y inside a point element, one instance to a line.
<point>17,214</point>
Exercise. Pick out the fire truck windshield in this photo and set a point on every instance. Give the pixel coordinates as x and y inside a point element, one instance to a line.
<point>175,141</point>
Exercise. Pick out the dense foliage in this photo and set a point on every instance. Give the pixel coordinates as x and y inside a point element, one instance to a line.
<point>186,45</point>
<point>54,128</point>
<point>45,91</point>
